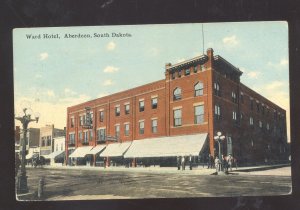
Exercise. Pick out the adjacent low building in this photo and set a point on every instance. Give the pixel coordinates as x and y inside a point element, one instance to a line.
<point>184,111</point>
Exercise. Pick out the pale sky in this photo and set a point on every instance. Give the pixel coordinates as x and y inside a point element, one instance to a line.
<point>53,74</point>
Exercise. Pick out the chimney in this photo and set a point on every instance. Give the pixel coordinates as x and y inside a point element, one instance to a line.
<point>210,54</point>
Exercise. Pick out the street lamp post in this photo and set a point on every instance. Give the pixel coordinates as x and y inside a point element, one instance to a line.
<point>219,138</point>
<point>25,120</point>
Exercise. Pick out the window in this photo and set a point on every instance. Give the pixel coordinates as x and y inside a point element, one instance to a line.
<point>91,135</point>
<point>203,67</point>
<point>154,103</point>
<point>173,75</point>
<point>117,131</point>
<point>177,117</point>
<point>154,126</point>
<point>126,129</point>
<point>80,136</point>
<point>179,73</point>
<point>142,106</point>
<point>142,127</point>
<point>217,112</point>
<point>71,138</point>
<point>233,97</point>
<point>81,120</point>
<point>251,120</point>
<point>49,140</point>
<point>117,110</point>
<point>127,108</point>
<point>199,114</point>
<point>234,115</point>
<point>177,94</point>
<point>85,140</point>
<point>263,110</point>
<point>217,89</point>
<point>195,69</point>
<point>101,134</point>
<point>268,126</point>
<point>43,142</point>
<point>251,104</point>
<point>91,118</point>
<point>101,116</point>
<point>198,89</point>
<point>257,107</point>
<point>72,122</point>
<point>187,72</point>
<point>260,124</point>
<point>242,98</point>
<point>252,142</point>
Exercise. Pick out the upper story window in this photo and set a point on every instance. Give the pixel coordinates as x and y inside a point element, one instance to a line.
<point>217,112</point>
<point>72,122</point>
<point>117,110</point>
<point>234,115</point>
<point>179,73</point>
<point>187,72</point>
<point>203,67</point>
<point>195,69</point>
<point>233,97</point>
<point>71,138</point>
<point>154,126</point>
<point>141,127</point>
<point>173,75</point>
<point>154,103</point>
<point>260,124</point>
<point>101,115</point>
<point>257,107</point>
<point>142,106</point>
<point>127,109</point>
<point>217,89</point>
<point>85,140</point>
<point>101,134</point>
<point>81,120</point>
<point>177,94</point>
<point>80,136</point>
<point>251,120</point>
<point>199,114</point>
<point>198,89</point>
<point>263,110</point>
<point>177,117</point>
<point>126,129</point>
<point>91,135</point>
<point>251,104</point>
<point>117,131</point>
<point>268,126</point>
<point>242,97</point>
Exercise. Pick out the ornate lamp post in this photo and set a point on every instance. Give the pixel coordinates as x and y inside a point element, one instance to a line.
<point>219,138</point>
<point>25,120</point>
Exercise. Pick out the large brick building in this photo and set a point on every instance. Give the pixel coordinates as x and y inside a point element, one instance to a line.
<point>202,95</point>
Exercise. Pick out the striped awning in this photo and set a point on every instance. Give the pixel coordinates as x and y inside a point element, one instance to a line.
<point>115,149</point>
<point>167,146</point>
<point>81,152</point>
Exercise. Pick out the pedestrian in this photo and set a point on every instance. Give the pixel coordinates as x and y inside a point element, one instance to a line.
<point>209,161</point>
<point>224,163</point>
<point>217,164</point>
<point>183,163</point>
<point>190,162</point>
<point>230,162</point>
<point>178,162</point>
<point>235,162</point>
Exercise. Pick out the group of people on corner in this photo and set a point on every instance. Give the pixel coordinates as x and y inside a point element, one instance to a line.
<point>182,161</point>
<point>225,164</point>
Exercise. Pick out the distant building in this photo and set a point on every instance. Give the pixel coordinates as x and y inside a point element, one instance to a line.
<point>47,134</point>
<point>32,140</point>
<point>202,95</point>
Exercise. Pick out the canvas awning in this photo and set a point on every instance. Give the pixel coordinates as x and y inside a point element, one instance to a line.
<point>96,149</point>
<point>115,149</point>
<point>54,154</point>
<point>81,152</point>
<point>167,146</point>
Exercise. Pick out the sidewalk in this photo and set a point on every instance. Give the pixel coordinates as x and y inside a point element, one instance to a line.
<point>200,170</point>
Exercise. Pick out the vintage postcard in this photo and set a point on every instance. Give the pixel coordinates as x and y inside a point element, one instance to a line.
<point>152,111</point>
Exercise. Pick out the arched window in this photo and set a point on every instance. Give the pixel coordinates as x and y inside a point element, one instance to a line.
<point>177,94</point>
<point>198,89</point>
